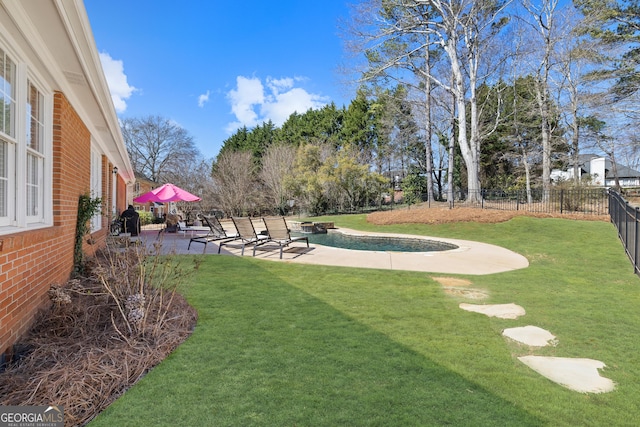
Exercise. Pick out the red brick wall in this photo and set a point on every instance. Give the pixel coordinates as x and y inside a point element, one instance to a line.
<point>31,261</point>
<point>121,202</point>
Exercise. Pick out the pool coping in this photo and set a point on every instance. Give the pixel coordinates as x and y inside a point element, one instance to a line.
<point>354,233</point>
<point>471,257</point>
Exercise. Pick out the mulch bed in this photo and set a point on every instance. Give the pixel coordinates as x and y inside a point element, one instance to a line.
<point>442,215</point>
<point>75,357</point>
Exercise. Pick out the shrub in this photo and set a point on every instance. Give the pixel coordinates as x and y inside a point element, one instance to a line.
<point>146,217</point>
<point>103,331</point>
<point>87,208</point>
<point>142,286</point>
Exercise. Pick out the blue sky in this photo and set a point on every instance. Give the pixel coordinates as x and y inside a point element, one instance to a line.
<point>213,66</point>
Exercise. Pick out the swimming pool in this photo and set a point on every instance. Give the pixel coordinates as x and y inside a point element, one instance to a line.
<point>378,243</point>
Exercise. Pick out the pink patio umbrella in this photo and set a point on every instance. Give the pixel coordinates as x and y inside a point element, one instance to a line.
<point>167,193</point>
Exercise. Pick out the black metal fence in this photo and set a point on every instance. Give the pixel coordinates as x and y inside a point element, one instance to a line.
<point>626,217</point>
<point>590,201</point>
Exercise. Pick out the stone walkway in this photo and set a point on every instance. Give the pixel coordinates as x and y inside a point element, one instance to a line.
<point>578,374</point>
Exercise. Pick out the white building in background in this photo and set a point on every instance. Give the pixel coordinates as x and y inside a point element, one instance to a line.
<point>600,169</point>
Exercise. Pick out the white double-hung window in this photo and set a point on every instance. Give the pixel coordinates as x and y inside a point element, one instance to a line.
<point>7,138</point>
<point>25,147</point>
<point>35,155</point>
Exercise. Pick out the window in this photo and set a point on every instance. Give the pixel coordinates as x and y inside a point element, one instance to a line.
<point>35,158</point>
<point>25,135</point>
<point>96,185</point>
<point>7,133</point>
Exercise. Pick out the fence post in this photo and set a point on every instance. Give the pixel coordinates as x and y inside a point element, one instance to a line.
<point>612,209</point>
<point>618,209</point>
<point>635,249</point>
<point>626,225</point>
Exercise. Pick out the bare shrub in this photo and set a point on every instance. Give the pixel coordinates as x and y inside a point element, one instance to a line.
<point>141,286</point>
<point>101,334</point>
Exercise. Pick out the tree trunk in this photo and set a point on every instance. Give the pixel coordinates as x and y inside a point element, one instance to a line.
<point>527,173</point>
<point>474,142</point>
<point>543,105</point>
<point>429,132</point>
<point>452,142</point>
<point>467,151</point>
<point>546,22</point>
<point>614,171</point>
<point>575,138</point>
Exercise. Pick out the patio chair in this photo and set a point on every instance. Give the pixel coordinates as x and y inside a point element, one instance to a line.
<point>247,235</point>
<point>216,233</point>
<point>171,224</point>
<point>279,233</point>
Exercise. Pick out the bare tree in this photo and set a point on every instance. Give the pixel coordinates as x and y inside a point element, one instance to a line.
<point>197,180</point>
<point>277,164</point>
<point>463,30</point>
<point>522,110</point>
<point>234,182</point>
<point>545,22</point>
<point>158,147</point>
<point>429,123</point>
<point>400,43</point>
<point>575,56</point>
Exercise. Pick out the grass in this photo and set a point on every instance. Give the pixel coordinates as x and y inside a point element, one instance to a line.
<point>282,344</point>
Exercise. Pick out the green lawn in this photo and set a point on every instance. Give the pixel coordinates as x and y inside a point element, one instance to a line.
<point>292,345</point>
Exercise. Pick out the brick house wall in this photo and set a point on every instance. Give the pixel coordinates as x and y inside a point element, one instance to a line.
<point>31,261</point>
<point>121,199</point>
<point>47,46</point>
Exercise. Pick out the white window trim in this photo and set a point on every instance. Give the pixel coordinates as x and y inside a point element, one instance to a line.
<point>17,154</point>
<point>46,153</point>
<point>96,184</point>
<point>11,187</point>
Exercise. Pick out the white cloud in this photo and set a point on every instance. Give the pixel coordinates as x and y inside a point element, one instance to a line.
<point>117,81</point>
<point>248,94</point>
<point>284,104</point>
<point>203,99</point>
<point>252,103</point>
<point>276,85</point>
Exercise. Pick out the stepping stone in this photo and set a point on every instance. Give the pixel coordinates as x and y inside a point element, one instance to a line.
<point>502,311</point>
<point>573,373</point>
<point>530,335</point>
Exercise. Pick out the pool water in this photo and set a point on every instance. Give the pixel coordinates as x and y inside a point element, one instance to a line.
<point>378,243</point>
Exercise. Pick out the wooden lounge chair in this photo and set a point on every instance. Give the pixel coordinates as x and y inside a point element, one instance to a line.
<point>246,235</point>
<point>279,233</point>
<point>215,233</point>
